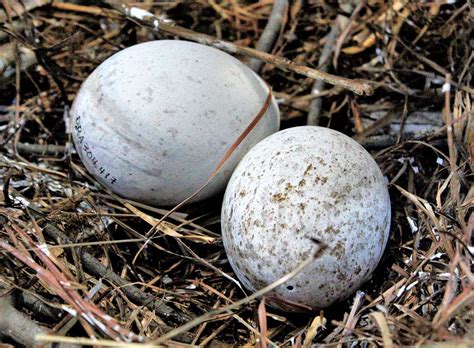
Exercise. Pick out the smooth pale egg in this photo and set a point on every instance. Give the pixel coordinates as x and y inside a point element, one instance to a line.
<point>152,122</point>
<point>295,187</point>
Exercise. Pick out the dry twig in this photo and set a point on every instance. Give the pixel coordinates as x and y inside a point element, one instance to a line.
<point>17,325</point>
<point>271,31</point>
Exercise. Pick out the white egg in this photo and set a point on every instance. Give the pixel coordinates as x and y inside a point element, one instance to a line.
<point>153,121</point>
<point>295,186</point>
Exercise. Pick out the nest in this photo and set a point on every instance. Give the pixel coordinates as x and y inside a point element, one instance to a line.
<point>76,264</point>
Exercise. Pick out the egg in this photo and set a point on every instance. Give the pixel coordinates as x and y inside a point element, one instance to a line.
<point>153,121</point>
<point>295,189</point>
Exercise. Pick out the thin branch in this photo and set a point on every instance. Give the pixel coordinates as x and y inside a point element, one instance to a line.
<point>18,325</point>
<point>270,33</point>
<point>40,149</point>
<point>227,309</point>
<point>146,18</point>
<point>98,269</point>
<point>323,64</point>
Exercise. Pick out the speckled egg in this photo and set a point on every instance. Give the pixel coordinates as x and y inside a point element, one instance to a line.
<point>153,121</point>
<point>297,186</point>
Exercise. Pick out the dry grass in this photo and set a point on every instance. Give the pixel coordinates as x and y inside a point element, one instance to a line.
<point>77,249</point>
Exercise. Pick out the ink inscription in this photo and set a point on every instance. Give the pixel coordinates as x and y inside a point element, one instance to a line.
<point>89,154</point>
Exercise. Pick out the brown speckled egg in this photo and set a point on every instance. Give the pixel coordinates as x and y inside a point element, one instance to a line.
<point>295,186</point>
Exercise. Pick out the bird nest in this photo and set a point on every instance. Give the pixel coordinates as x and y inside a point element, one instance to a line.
<point>78,264</point>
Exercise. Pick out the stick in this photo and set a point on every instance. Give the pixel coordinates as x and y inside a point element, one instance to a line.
<point>17,8</point>
<point>227,309</point>
<point>34,304</point>
<point>96,268</point>
<point>323,63</point>
<point>148,19</point>
<point>386,140</point>
<point>41,149</point>
<point>269,34</point>
<point>353,317</point>
<point>17,325</point>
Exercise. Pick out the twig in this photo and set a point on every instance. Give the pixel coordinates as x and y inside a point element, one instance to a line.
<point>448,119</point>
<point>32,302</point>
<point>353,317</point>
<point>83,341</point>
<point>95,267</point>
<point>435,66</point>
<point>210,338</point>
<point>17,8</point>
<point>227,309</point>
<point>18,325</point>
<point>376,125</point>
<point>60,282</point>
<point>386,140</point>
<point>285,64</point>
<point>37,306</point>
<point>148,19</point>
<point>269,34</point>
<point>323,64</point>
<point>347,29</point>
<point>40,149</point>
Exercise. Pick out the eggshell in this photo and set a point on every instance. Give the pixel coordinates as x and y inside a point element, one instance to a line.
<point>153,121</point>
<point>295,186</point>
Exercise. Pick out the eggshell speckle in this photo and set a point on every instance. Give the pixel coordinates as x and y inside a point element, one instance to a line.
<point>153,121</point>
<point>295,186</point>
